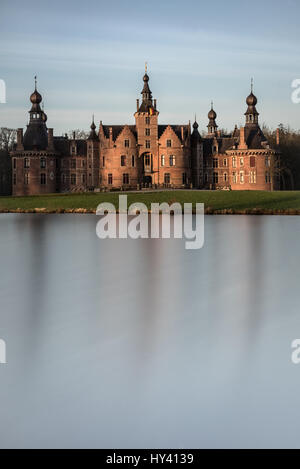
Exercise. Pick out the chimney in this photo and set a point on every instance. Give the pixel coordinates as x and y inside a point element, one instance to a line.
<point>182,134</point>
<point>277,137</point>
<point>110,134</point>
<point>50,140</point>
<point>74,135</point>
<point>20,139</point>
<point>155,104</point>
<point>242,145</point>
<point>137,105</point>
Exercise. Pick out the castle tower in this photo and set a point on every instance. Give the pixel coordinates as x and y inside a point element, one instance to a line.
<point>34,160</point>
<point>146,119</point>
<point>197,156</point>
<point>93,158</point>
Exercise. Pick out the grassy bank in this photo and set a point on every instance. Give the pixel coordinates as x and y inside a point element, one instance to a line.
<point>215,202</point>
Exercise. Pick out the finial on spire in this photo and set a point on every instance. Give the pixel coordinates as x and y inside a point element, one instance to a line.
<point>252,84</point>
<point>35,82</point>
<point>212,104</point>
<point>146,67</point>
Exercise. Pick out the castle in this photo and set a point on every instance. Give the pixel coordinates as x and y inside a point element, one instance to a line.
<point>147,154</point>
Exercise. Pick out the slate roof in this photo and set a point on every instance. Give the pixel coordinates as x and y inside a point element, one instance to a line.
<point>176,128</point>
<point>36,137</point>
<point>63,145</point>
<point>116,130</point>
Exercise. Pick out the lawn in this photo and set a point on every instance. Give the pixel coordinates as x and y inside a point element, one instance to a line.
<point>218,201</point>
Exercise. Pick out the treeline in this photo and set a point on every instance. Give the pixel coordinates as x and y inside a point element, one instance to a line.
<point>290,154</point>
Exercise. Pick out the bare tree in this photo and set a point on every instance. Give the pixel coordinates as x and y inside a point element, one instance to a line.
<point>7,138</point>
<point>78,134</point>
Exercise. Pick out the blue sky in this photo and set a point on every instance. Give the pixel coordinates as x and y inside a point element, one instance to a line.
<point>89,58</point>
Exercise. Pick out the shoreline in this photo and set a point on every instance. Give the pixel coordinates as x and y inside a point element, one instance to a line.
<point>208,211</point>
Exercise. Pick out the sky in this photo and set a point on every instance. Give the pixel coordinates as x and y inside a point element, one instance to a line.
<point>89,59</point>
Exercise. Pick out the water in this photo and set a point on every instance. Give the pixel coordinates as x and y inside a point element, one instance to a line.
<point>123,343</point>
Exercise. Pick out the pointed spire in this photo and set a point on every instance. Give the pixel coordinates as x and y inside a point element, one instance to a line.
<point>147,102</point>
<point>251,113</point>
<point>93,135</point>
<point>212,125</point>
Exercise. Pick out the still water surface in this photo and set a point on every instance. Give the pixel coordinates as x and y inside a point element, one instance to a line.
<point>123,343</point>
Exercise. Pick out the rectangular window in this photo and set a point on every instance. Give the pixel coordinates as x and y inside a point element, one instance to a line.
<point>147,160</point>
<point>73,149</point>
<point>110,179</point>
<point>147,120</point>
<point>215,178</point>
<point>26,179</point>
<point>215,163</point>
<point>225,177</point>
<point>148,144</point>
<point>147,132</point>
<point>252,177</point>
<point>234,162</point>
<point>43,179</point>
<point>103,161</point>
<point>234,178</point>
<point>268,177</point>
<point>73,179</point>
<point>126,143</point>
<point>14,163</point>
<point>169,143</point>
<point>167,178</point>
<point>162,160</point>
<point>242,180</point>
<point>268,162</point>
<point>43,163</point>
<point>184,179</point>
<point>242,161</point>
<point>26,163</point>
<point>15,179</point>
<point>73,164</point>
<point>132,161</point>
<point>225,162</point>
<point>172,160</point>
<point>83,178</point>
<point>125,178</point>
<point>206,177</point>
<point>123,160</point>
<point>63,178</point>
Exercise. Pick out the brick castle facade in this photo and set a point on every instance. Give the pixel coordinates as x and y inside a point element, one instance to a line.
<point>146,154</point>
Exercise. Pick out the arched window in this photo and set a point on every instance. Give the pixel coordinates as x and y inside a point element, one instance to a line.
<point>162,160</point>
<point>123,160</point>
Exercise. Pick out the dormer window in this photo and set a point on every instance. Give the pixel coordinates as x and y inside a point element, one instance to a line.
<point>126,143</point>
<point>169,143</point>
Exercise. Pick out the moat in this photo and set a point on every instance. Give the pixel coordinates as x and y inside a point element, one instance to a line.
<point>141,343</point>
